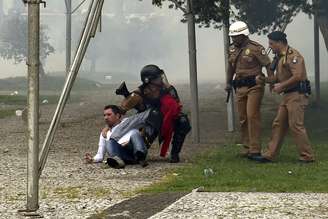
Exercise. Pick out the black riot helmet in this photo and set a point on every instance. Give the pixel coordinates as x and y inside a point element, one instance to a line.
<point>149,73</point>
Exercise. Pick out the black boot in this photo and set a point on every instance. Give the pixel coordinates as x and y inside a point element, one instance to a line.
<point>181,129</point>
<point>174,158</point>
<point>141,158</point>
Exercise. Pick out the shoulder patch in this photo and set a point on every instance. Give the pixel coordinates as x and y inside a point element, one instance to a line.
<point>247,51</point>
<point>294,61</point>
<point>263,52</point>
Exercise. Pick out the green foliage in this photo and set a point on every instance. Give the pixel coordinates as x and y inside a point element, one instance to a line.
<point>265,15</point>
<point>13,39</point>
<point>261,15</point>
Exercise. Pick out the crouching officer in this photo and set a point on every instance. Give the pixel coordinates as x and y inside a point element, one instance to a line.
<point>291,81</point>
<point>148,95</point>
<point>246,60</point>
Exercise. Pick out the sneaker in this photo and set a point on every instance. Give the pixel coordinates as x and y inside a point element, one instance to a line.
<point>115,162</point>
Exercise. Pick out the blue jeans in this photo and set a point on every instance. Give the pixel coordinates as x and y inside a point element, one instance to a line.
<point>134,151</point>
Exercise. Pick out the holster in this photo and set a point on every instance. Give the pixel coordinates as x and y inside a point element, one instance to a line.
<point>303,87</point>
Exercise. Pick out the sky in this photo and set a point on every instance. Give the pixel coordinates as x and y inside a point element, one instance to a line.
<point>158,37</point>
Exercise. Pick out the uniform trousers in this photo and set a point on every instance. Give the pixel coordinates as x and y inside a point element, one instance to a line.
<point>290,115</point>
<point>248,106</point>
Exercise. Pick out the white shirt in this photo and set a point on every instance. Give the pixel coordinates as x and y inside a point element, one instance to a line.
<point>103,141</point>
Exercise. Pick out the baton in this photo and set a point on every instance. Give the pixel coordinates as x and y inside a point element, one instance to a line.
<point>228,96</point>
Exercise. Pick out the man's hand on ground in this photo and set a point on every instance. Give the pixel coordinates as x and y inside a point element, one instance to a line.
<point>88,158</point>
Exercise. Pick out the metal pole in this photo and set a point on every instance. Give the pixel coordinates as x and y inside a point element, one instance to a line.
<point>226,40</point>
<point>68,34</point>
<point>193,73</point>
<point>316,59</point>
<point>91,21</point>
<point>230,104</point>
<point>33,105</point>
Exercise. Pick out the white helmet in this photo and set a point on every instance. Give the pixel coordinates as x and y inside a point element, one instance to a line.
<point>238,28</point>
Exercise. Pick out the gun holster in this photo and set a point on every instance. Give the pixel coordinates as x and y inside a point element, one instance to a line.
<point>303,87</point>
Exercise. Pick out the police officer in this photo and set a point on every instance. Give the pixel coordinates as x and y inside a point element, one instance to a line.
<point>246,60</point>
<point>291,81</point>
<point>148,95</point>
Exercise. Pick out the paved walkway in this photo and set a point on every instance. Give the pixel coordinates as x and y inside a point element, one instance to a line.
<point>248,205</point>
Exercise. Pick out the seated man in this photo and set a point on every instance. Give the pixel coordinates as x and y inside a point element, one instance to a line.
<point>130,148</point>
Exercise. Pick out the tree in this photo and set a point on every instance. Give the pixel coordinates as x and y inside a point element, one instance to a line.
<point>321,9</point>
<point>262,20</point>
<point>13,38</point>
<point>261,15</point>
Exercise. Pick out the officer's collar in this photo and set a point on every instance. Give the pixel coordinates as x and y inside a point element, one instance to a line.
<point>284,51</point>
<point>242,44</point>
<point>245,42</point>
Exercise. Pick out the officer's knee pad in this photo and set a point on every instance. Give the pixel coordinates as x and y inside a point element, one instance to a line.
<point>182,124</point>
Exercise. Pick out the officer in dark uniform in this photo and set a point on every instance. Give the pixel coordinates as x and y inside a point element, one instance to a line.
<point>148,95</point>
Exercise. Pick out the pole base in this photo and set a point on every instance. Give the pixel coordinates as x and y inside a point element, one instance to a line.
<point>29,213</point>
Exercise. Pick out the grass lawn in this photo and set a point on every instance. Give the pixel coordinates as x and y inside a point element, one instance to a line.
<point>6,112</point>
<point>22,99</point>
<point>12,101</point>
<point>232,173</point>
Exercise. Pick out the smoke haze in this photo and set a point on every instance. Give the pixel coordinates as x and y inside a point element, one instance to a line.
<point>137,33</point>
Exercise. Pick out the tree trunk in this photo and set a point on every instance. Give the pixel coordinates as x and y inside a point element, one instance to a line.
<point>322,10</point>
<point>323,25</point>
<point>193,73</point>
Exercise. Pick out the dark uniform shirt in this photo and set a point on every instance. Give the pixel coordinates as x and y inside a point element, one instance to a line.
<point>248,59</point>
<point>144,97</point>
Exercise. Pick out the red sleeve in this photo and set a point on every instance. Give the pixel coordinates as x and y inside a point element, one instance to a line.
<point>170,109</point>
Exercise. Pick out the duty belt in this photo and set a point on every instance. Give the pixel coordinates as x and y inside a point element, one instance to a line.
<point>248,81</point>
<point>303,87</point>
